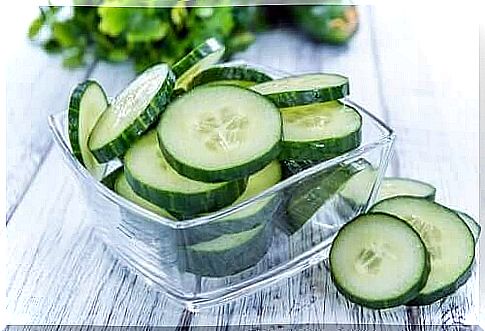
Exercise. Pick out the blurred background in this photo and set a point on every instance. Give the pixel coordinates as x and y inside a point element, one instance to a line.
<point>415,67</point>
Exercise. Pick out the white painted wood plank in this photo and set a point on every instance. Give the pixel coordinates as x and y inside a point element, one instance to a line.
<point>428,65</point>
<point>37,86</point>
<point>60,273</point>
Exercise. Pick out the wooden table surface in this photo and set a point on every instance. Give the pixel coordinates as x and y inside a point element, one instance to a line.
<point>415,70</point>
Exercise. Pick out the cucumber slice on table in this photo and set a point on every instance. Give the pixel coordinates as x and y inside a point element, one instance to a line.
<point>240,75</point>
<point>311,194</point>
<point>87,102</point>
<point>152,178</point>
<point>448,240</point>
<point>394,186</point>
<point>474,227</point>
<point>379,261</point>
<point>320,131</point>
<point>247,218</point>
<point>304,89</point>
<point>124,189</point>
<point>132,112</point>
<point>228,254</point>
<point>201,57</point>
<point>220,133</point>
<point>358,188</point>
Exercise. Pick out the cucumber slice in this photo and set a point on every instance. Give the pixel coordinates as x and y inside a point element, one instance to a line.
<point>240,75</point>
<point>132,112</point>
<point>304,89</point>
<point>87,102</point>
<point>124,189</point>
<point>320,131</point>
<point>151,177</point>
<point>203,56</point>
<point>250,216</point>
<point>311,194</point>
<point>448,240</point>
<point>379,261</point>
<point>394,186</point>
<point>292,167</point>
<point>228,254</point>
<point>358,188</point>
<point>474,227</point>
<point>228,133</point>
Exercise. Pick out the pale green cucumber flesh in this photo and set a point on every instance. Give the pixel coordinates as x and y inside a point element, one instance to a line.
<point>132,112</point>
<point>395,186</point>
<point>219,124</point>
<point>87,102</point>
<point>320,131</point>
<point>448,239</point>
<point>304,89</point>
<point>378,261</point>
<point>152,178</point>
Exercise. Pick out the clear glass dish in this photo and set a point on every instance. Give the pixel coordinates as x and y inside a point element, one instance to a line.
<point>184,258</point>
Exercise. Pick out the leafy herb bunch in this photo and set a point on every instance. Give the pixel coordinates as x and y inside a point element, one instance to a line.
<point>116,32</point>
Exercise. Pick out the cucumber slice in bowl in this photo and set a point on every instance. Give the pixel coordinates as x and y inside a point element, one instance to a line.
<point>379,261</point>
<point>152,178</point>
<point>448,240</point>
<point>204,55</point>
<point>304,89</point>
<point>394,186</point>
<point>320,131</point>
<point>249,217</point>
<point>358,188</point>
<point>132,112</point>
<point>124,189</point>
<point>228,133</point>
<point>87,102</point>
<point>228,254</point>
<point>240,75</point>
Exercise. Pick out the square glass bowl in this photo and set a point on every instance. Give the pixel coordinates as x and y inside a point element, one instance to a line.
<point>211,259</point>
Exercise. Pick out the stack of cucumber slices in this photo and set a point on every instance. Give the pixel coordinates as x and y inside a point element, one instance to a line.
<point>199,137</point>
<point>407,249</point>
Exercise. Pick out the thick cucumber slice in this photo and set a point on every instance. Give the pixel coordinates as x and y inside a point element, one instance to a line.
<point>240,75</point>
<point>394,186</point>
<point>220,133</point>
<point>151,177</point>
<point>132,112</point>
<point>88,101</point>
<point>304,89</point>
<point>310,195</point>
<point>379,261</point>
<point>124,189</point>
<point>228,254</point>
<point>358,188</point>
<point>250,216</point>
<point>474,227</point>
<point>448,240</point>
<point>320,131</point>
<point>200,58</point>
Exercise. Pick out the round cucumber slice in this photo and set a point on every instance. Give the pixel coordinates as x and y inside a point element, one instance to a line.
<point>319,131</point>
<point>201,57</point>
<point>358,188</point>
<point>304,89</point>
<point>152,178</point>
<point>227,133</point>
<point>394,186</point>
<point>378,261</point>
<point>124,189</point>
<point>240,75</point>
<point>132,112</point>
<point>474,227</point>
<point>87,102</point>
<point>448,240</point>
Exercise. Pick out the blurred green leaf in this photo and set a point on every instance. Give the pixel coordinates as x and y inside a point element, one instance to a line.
<point>35,27</point>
